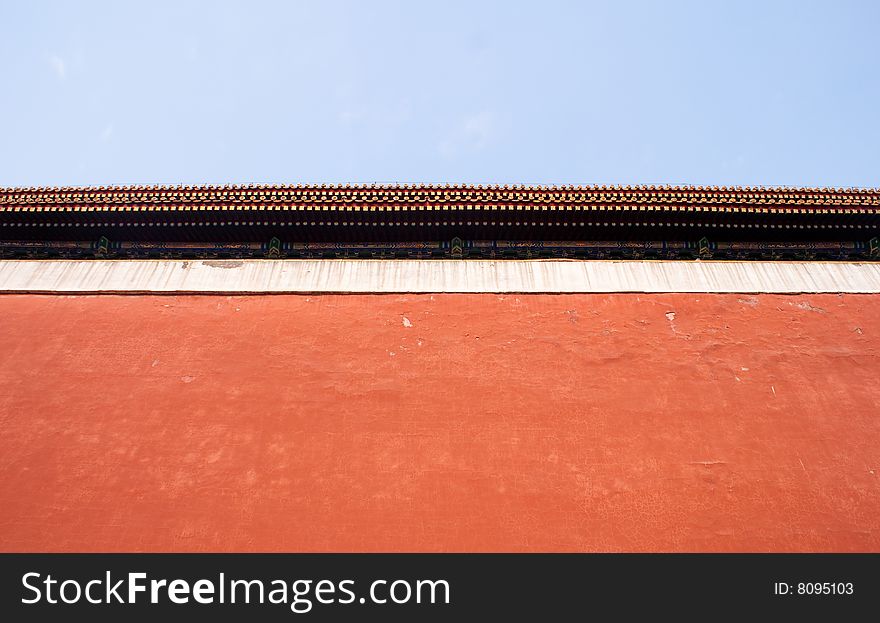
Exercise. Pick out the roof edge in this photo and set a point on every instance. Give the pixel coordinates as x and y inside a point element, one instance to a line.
<point>447,186</point>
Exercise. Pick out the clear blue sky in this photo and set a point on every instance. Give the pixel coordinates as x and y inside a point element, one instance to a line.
<point>703,92</point>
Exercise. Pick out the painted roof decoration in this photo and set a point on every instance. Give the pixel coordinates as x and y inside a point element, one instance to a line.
<point>435,196</point>
<point>366,220</point>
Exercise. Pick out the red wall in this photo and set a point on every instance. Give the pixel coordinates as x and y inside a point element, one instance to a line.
<point>438,423</point>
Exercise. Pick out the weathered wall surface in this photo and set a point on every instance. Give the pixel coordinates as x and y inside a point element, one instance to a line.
<point>433,276</point>
<point>584,422</point>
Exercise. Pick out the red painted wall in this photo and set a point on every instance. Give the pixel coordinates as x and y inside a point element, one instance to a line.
<point>438,423</point>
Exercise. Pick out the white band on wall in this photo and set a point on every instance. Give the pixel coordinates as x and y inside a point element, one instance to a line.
<point>433,276</point>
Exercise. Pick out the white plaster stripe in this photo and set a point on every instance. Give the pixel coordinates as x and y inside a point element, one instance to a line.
<point>390,276</point>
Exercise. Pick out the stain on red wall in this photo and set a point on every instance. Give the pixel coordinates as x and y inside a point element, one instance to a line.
<point>440,423</point>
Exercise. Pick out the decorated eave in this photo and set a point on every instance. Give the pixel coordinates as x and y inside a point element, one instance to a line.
<point>440,221</point>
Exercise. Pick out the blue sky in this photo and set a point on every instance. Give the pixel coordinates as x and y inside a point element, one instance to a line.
<point>485,92</point>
